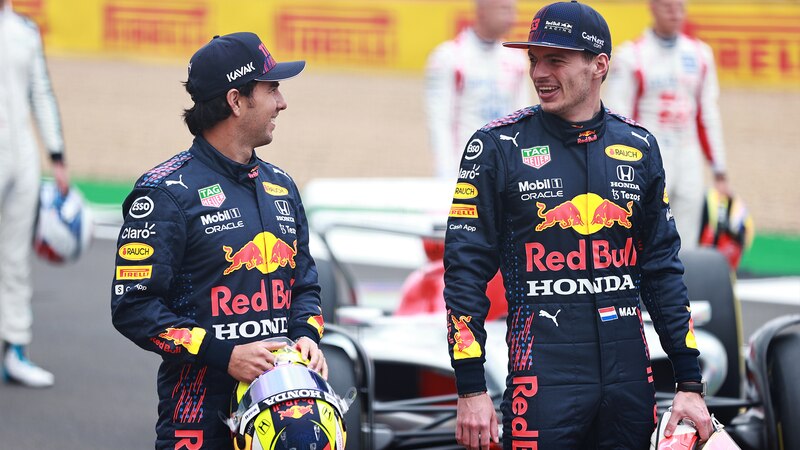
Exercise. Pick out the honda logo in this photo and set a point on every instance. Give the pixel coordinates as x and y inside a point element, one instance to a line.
<point>625,173</point>
<point>283,207</point>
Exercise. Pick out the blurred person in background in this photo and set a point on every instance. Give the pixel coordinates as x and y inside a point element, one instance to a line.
<point>472,80</point>
<point>213,253</point>
<point>25,93</point>
<point>667,81</point>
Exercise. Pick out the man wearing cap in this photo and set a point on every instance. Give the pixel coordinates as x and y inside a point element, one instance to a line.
<point>570,205</point>
<point>213,255</point>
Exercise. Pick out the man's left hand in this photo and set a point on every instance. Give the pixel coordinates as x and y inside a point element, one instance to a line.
<point>690,406</point>
<point>310,351</point>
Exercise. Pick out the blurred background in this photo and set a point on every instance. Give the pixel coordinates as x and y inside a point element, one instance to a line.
<point>356,112</point>
<point>358,109</point>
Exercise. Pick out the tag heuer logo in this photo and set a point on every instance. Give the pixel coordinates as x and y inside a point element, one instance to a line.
<point>536,157</point>
<point>211,196</point>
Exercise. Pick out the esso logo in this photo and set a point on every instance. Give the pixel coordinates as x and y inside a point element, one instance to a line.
<point>474,149</point>
<point>141,207</point>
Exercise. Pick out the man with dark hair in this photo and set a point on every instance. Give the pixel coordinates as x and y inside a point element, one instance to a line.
<point>574,213</point>
<point>25,93</point>
<point>213,255</point>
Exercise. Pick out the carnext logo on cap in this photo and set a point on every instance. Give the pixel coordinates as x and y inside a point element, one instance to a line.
<point>595,41</point>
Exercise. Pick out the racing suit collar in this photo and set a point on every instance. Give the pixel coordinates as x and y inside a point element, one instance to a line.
<point>220,163</point>
<point>575,132</point>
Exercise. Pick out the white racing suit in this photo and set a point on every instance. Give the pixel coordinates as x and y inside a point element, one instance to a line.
<point>24,88</point>
<point>468,83</point>
<point>671,87</point>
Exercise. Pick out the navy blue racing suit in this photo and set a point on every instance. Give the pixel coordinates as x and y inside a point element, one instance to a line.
<point>576,217</point>
<point>212,254</point>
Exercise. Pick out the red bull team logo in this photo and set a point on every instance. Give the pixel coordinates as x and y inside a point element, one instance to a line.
<point>189,339</point>
<point>584,137</point>
<point>265,252</point>
<point>465,344</point>
<point>295,412</point>
<point>585,213</point>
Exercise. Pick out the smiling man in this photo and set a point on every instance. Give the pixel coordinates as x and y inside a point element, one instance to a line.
<point>213,255</point>
<point>571,208</point>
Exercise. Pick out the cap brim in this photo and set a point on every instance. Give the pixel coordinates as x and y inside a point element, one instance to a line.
<point>539,44</point>
<point>283,71</point>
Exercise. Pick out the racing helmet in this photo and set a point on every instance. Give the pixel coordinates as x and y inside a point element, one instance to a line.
<point>727,226</point>
<point>289,407</point>
<point>686,437</point>
<point>63,227</point>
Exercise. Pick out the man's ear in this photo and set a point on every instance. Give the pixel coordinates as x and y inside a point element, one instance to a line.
<point>233,97</point>
<point>602,65</point>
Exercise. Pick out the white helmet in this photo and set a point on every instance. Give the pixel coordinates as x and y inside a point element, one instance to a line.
<point>685,436</point>
<point>64,226</point>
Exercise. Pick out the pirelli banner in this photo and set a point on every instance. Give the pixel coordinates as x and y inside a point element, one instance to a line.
<point>754,43</point>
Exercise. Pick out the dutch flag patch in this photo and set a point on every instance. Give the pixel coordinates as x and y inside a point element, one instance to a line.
<point>608,314</point>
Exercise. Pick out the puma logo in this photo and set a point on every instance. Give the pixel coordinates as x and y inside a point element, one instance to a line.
<point>179,182</point>
<point>544,313</point>
<point>503,137</point>
<point>644,138</point>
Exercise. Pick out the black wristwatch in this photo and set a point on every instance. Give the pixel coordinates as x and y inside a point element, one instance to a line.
<point>698,387</point>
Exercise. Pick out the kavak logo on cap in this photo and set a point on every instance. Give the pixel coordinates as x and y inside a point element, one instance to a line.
<point>234,60</point>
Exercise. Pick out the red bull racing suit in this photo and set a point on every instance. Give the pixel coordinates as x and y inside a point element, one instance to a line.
<point>212,254</point>
<point>576,218</point>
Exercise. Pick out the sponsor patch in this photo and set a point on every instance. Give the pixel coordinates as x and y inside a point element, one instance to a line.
<point>135,251</point>
<point>465,190</point>
<point>141,207</point>
<point>138,233</point>
<point>464,211</point>
<point>587,136</point>
<point>473,150</point>
<point>623,152</point>
<point>608,314</point>
<point>274,190</point>
<point>536,157</point>
<point>465,345</point>
<point>211,196</point>
<point>469,174</point>
<point>134,272</point>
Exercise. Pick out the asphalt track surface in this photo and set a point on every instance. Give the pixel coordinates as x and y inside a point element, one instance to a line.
<point>104,396</point>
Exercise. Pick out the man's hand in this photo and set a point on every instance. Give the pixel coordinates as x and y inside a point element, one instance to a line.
<point>61,177</point>
<point>310,351</point>
<point>476,423</point>
<point>690,406</point>
<point>248,361</point>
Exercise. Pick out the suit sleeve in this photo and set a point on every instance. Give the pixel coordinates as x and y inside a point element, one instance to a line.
<point>709,121</point>
<point>305,314</point>
<point>44,105</point>
<point>471,259</point>
<point>662,288</point>
<point>144,288</point>
<point>439,102</point>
